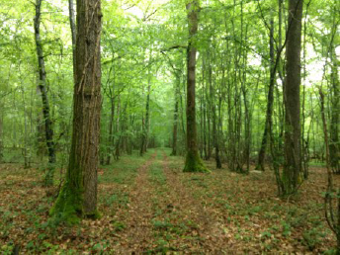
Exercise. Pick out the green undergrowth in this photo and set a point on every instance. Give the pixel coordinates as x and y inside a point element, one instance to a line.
<point>116,198</point>
<point>124,170</point>
<point>316,163</point>
<point>230,194</point>
<point>156,173</point>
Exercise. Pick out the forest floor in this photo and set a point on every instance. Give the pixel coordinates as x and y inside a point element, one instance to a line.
<point>150,206</point>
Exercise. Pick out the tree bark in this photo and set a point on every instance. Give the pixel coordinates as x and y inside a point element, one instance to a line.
<point>215,128</point>
<point>270,101</point>
<point>111,137</point>
<point>147,116</point>
<point>78,196</point>
<point>334,146</point>
<point>292,146</point>
<point>117,145</point>
<point>175,125</point>
<point>73,31</point>
<point>42,88</point>
<point>1,137</point>
<point>145,126</point>
<point>193,161</point>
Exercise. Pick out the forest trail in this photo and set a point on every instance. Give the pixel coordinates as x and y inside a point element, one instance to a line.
<point>139,213</point>
<point>161,209</point>
<point>149,205</point>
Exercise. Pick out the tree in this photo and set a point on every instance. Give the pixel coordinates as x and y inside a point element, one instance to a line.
<point>193,161</point>
<point>334,147</point>
<point>78,196</point>
<point>1,137</point>
<point>292,139</point>
<point>175,124</point>
<point>270,100</point>
<point>44,97</point>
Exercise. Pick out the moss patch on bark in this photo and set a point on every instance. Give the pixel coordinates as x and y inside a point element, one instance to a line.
<point>194,164</point>
<point>68,207</point>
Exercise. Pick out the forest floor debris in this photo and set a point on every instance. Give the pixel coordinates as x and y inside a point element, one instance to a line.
<point>149,205</point>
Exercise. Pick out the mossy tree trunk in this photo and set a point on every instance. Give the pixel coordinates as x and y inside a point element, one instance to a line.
<point>292,165</point>
<point>193,161</point>
<point>78,196</point>
<point>42,88</point>
<point>334,147</point>
<point>1,136</point>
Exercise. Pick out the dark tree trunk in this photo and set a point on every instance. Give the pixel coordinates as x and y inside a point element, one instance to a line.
<point>334,146</point>
<point>215,135</point>
<point>44,97</point>
<point>117,145</point>
<point>145,124</point>
<point>214,120</point>
<point>193,161</point>
<point>175,125</point>
<point>111,137</point>
<point>201,128</point>
<point>292,148</point>
<point>270,100</point>
<point>78,196</point>
<point>1,137</point>
<point>147,117</point>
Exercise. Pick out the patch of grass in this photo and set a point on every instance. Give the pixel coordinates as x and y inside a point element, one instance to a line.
<point>317,163</point>
<point>313,237</point>
<point>115,199</point>
<point>124,170</point>
<point>118,226</point>
<point>156,174</point>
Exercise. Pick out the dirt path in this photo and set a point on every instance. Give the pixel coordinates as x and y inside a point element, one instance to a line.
<point>163,214</point>
<point>205,233</point>
<point>137,217</point>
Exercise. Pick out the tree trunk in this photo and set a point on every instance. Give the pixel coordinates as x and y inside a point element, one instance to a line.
<point>111,137</point>
<point>270,100</point>
<point>117,145</point>
<point>145,128</point>
<point>175,125</point>
<point>78,196</point>
<point>193,161</point>
<point>147,117</point>
<point>44,97</point>
<point>292,148</point>
<point>1,137</point>
<point>73,32</point>
<point>334,146</point>
<point>215,131</point>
